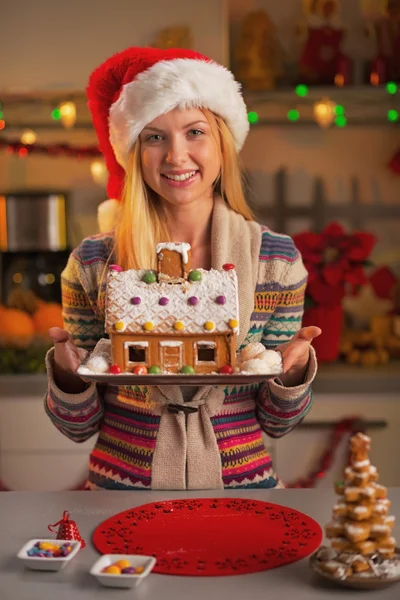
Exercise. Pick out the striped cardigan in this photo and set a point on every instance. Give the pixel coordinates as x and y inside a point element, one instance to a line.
<point>122,416</point>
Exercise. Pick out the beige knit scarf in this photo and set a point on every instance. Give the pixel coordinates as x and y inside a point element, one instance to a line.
<point>186,454</point>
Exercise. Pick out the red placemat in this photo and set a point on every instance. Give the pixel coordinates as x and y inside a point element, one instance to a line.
<point>211,536</point>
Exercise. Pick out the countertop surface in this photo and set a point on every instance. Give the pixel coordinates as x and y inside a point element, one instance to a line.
<point>25,515</point>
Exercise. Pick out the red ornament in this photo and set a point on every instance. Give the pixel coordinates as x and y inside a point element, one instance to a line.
<point>115,370</point>
<point>228,267</point>
<point>67,529</point>
<point>226,370</point>
<point>140,370</point>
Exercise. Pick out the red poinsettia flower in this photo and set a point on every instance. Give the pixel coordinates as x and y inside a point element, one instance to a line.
<point>333,259</point>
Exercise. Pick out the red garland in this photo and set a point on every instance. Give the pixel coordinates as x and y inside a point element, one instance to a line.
<point>53,150</point>
<point>343,427</point>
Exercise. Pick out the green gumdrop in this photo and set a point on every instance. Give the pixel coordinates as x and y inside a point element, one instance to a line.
<point>195,276</point>
<point>187,370</point>
<point>154,370</point>
<point>149,277</point>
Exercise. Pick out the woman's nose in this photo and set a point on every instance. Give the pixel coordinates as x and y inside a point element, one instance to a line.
<point>176,153</point>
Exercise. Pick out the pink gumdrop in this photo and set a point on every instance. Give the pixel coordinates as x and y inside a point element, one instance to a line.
<point>116,268</point>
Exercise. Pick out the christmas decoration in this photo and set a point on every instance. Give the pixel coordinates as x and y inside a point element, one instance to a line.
<point>322,60</point>
<point>383,26</point>
<point>360,532</point>
<point>342,428</point>
<point>335,262</point>
<point>258,55</point>
<point>67,529</point>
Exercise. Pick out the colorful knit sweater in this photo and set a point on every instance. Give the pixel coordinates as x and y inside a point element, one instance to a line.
<point>126,423</point>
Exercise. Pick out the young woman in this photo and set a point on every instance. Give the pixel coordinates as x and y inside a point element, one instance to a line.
<point>170,125</point>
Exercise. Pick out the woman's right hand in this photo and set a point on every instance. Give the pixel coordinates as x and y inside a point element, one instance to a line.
<point>67,359</point>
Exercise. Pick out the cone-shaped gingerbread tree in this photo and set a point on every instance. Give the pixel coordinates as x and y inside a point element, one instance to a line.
<point>361,529</point>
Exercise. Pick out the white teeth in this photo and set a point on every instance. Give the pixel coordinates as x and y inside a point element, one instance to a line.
<point>181,177</point>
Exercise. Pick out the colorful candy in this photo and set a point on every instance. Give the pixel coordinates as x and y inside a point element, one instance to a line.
<point>123,567</point>
<point>48,550</point>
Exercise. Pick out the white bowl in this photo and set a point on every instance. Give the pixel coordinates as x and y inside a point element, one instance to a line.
<point>40,563</point>
<point>124,580</point>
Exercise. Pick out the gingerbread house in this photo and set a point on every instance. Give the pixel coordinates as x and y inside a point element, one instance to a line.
<point>173,320</point>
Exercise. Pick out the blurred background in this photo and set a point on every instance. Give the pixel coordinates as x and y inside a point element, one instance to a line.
<point>321,163</point>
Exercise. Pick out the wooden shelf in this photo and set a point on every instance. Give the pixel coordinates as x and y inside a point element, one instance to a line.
<point>363,105</point>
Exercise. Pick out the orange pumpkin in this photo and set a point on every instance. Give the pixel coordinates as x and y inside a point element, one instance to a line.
<point>16,327</point>
<point>48,315</point>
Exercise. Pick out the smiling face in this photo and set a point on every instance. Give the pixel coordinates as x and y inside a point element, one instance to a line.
<point>180,157</point>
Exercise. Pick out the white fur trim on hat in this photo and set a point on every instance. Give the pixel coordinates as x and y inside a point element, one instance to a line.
<point>107,213</point>
<point>183,83</point>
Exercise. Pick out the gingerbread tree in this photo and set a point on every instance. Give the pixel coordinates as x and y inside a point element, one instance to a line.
<point>361,528</point>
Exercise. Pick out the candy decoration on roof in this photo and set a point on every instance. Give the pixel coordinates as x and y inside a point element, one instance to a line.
<point>149,277</point>
<point>119,326</point>
<point>115,268</point>
<point>195,276</point>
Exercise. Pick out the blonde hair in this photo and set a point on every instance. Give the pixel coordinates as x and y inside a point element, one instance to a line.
<point>142,223</point>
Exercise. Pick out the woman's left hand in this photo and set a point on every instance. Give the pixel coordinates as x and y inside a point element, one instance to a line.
<point>296,355</point>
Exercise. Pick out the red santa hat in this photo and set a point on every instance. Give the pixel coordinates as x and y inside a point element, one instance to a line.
<point>135,86</point>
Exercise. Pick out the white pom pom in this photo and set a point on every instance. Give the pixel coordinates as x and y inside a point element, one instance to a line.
<point>254,366</point>
<point>107,213</point>
<point>98,364</point>
<point>252,350</point>
<point>271,358</point>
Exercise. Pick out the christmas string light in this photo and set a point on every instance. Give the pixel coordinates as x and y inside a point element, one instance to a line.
<point>252,117</point>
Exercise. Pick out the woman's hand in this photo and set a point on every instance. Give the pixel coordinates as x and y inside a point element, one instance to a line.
<point>67,359</point>
<point>296,355</point>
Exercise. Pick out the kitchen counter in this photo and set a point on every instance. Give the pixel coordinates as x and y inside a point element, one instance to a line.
<point>25,515</point>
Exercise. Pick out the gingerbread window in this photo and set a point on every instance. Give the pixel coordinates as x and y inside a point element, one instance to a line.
<point>136,352</point>
<point>206,352</point>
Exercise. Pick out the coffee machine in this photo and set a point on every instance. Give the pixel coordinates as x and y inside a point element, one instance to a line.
<point>33,243</point>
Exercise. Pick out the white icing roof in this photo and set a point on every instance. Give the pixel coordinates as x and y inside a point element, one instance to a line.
<point>123,286</point>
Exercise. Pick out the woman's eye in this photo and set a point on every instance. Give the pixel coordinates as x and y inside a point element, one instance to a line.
<point>154,138</point>
<point>195,132</point>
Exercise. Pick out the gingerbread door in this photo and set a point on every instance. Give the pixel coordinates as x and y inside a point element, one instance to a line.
<point>171,356</point>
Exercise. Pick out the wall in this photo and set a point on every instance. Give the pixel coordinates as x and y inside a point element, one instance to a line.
<point>56,45</point>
